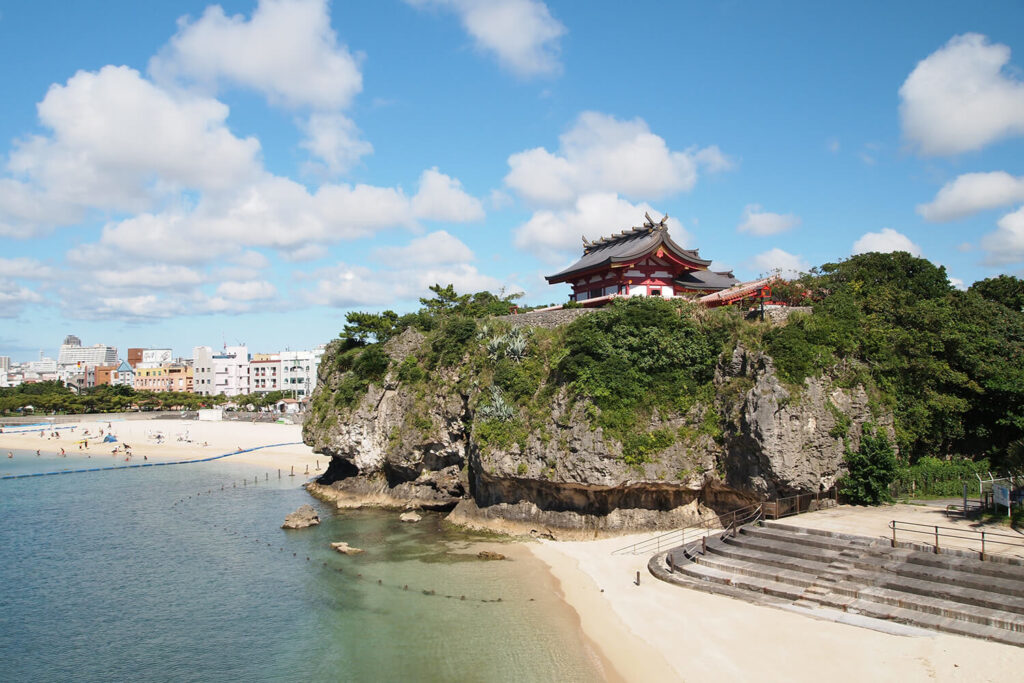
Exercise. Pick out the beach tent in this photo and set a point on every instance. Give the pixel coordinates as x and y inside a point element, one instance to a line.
<point>109,438</point>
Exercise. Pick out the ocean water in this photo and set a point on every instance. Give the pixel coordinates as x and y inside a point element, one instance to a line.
<point>160,574</point>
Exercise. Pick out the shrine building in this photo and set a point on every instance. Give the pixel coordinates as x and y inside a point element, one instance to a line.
<point>644,261</point>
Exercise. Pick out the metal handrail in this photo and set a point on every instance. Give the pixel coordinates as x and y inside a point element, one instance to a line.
<point>678,537</point>
<point>937,532</point>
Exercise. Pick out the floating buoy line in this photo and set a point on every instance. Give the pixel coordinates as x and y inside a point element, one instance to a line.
<point>355,575</point>
<point>151,464</point>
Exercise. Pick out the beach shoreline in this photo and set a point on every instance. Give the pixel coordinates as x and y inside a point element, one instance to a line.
<point>658,631</point>
<point>165,440</point>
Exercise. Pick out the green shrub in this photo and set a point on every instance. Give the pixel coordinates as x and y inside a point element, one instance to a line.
<point>871,469</point>
<point>409,371</point>
<point>451,340</point>
<point>637,449</point>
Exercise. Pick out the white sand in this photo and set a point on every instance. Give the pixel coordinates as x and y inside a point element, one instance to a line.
<point>181,440</point>
<point>657,631</point>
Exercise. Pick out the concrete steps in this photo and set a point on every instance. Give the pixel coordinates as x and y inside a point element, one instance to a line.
<point>814,569</point>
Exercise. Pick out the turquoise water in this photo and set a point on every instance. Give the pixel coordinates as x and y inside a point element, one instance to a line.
<point>158,574</point>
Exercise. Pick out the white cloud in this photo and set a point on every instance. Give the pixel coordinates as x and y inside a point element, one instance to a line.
<point>157,276</point>
<point>603,154</point>
<point>549,234</point>
<point>441,198</point>
<point>971,193</point>
<point>287,51</point>
<point>1006,243</point>
<point>777,260</point>
<point>26,211</point>
<point>346,286</point>
<point>118,142</point>
<point>13,298</point>
<point>758,222</point>
<point>334,140</point>
<point>522,34</point>
<point>306,252</point>
<point>962,97</point>
<point>247,291</point>
<point>434,249</point>
<point>251,259</point>
<point>141,307</point>
<point>24,268</point>
<point>886,241</point>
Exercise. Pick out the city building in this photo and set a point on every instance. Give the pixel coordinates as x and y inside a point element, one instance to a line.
<point>230,371</point>
<point>73,354</point>
<point>124,375</point>
<point>202,371</point>
<point>167,377</point>
<point>265,375</point>
<point>298,371</point>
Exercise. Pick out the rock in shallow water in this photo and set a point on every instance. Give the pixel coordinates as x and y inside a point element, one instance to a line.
<point>345,549</point>
<point>300,519</point>
<point>409,517</point>
<point>490,555</point>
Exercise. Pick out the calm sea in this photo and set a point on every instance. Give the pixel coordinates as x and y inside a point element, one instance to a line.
<point>160,575</point>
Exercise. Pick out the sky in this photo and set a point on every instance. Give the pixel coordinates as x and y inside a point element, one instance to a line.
<point>175,174</point>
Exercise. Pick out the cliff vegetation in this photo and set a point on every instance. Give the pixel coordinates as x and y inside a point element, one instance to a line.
<point>651,412</point>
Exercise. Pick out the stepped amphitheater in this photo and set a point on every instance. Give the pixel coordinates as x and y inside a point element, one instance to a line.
<point>830,575</point>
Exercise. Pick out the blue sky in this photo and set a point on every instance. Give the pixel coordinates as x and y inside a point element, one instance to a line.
<point>178,173</point>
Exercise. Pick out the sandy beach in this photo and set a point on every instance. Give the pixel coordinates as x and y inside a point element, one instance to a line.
<point>656,631</point>
<point>169,439</point>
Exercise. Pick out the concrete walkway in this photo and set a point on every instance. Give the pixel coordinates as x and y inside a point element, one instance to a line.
<point>874,521</point>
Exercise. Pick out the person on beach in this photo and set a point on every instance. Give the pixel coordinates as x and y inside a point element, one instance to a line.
<point>62,453</point>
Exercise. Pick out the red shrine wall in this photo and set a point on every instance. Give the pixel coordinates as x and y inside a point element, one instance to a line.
<point>649,277</point>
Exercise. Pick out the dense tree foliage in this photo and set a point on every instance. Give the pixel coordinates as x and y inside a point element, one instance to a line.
<point>638,352</point>
<point>947,362</point>
<point>1004,289</point>
<point>870,470</point>
<point>369,328</point>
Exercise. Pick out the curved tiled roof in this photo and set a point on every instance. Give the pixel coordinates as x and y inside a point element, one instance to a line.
<point>707,280</point>
<point>627,246</point>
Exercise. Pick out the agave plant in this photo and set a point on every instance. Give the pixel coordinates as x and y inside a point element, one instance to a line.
<point>498,408</point>
<point>494,347</point>
<point>484,332</point>
<point>515,345</point>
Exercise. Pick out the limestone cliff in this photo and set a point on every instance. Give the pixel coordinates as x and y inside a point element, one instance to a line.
<point>421,444</point>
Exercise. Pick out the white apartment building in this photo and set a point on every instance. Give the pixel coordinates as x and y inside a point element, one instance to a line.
<point>265,373</point>
<point>230,371</point>
<point>202,371</point>
<point>298,371</point>
<point>81,356</point>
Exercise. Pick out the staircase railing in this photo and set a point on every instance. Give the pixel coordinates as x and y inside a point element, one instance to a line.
<point>694,532</point>
<point>936,533</point>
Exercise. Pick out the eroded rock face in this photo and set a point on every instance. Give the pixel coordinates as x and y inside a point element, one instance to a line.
<point>402,449</point>
<point>781,441</point>
<point>304,517</point>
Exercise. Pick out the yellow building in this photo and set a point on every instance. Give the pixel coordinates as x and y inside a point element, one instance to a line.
<point>167,377</point>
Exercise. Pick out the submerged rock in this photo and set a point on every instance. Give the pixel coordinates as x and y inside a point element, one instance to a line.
<point>490,555</point>
<point>300,519</point>
<point>409,517</point>
<point>345,549</point>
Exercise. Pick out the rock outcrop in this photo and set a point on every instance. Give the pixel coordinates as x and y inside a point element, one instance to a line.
<point>304,517</point>
<point>781,441</point>
<point>345,549</point>
<point>404,446</point>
